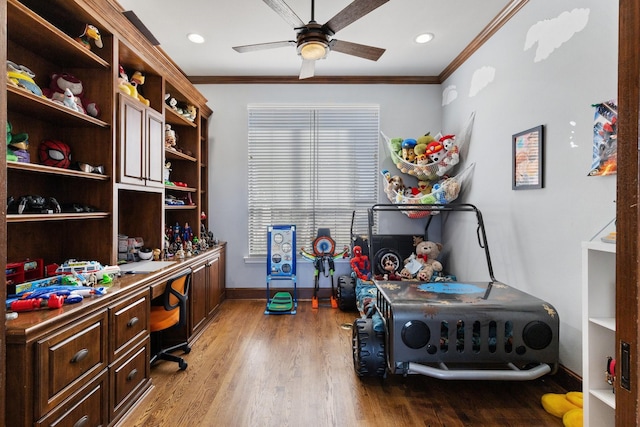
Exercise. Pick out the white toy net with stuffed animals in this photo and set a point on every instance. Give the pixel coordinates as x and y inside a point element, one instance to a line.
<point>442,192</point>
<point>424,168</point>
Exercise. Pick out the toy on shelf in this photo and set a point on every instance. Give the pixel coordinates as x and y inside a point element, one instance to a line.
<point>91,33</point>
<point>54,153</point>
<point>68,90</point>
<point>17,146</point>
<point>130,86</point>
<point>170,137</point>
<point>23,77</point>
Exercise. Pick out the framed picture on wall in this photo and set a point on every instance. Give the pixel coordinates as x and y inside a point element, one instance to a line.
<point>528,159</point>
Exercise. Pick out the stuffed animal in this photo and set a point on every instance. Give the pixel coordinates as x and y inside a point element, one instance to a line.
<point>21,76</point>
<point>171,101</point>
<point>360,264</point>
<point>408,153</point>
<point>391,271</point>
<point>137,79</point>
<point>11,156</point>
<point>422,143</point>
<point>568,406</point>
<point>427,252</point>
<point>90,33</point>
<point>60,82</point>
<point>169,137</point>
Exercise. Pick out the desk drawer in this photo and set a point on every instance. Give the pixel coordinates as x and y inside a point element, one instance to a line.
<point>85,409</point>
<point>128,377</point>
<point>129,323</point>
<point>68,359</point>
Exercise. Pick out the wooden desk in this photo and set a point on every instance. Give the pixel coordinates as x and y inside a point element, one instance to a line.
<point>90,361</point>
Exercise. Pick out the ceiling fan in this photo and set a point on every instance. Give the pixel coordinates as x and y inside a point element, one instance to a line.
<point>314,41</point>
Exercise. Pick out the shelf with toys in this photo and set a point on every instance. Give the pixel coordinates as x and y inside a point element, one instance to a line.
<point>432,161</point>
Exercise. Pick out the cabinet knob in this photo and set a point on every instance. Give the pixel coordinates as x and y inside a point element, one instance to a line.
<point>132,374</point>
<point>132,322</point>
<point>79,356</point>
<point>82,422</point>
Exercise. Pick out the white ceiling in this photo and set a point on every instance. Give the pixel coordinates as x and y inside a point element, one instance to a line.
<point>392,26</point>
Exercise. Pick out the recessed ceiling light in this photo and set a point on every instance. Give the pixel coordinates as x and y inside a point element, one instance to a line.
<point>424,38</point>
<point>195,38</point>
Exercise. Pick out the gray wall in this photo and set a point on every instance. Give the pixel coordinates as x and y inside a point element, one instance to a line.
<point>535,235</point>
<point>404,110</point>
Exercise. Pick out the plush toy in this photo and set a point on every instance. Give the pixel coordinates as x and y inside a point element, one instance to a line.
<point>427,252</point>
<point>137,79</point>
<point>394,186</point>
<point>408,153</point>
<point>171,101</point>
<point>567,406</point>
<point>422,143</point>
<point>191,112</point>
<point>435,151</point>
<point>391,271</point>
<point>17,146</point>
<point>90,33</point>
<point>169,137</point>
<point>360,264</point>
<point>60,82</point>
<point>10,154</point>
<point>21,76</point>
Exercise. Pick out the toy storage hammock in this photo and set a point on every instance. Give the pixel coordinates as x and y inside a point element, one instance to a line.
<point>432,171</point>
<point>443,192</point>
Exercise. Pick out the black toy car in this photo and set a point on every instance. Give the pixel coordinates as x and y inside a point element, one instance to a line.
<point>446,328</point>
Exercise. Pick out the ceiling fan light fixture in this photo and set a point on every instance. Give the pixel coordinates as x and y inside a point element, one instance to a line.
<point>424,38</point>
<point>313,50</point>
<point>195,38</point>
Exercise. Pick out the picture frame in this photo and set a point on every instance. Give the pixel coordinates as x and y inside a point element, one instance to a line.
<point>528,159</point>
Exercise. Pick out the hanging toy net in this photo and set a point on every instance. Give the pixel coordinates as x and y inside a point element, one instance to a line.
<point>422,166</point>
<point>442,192</point>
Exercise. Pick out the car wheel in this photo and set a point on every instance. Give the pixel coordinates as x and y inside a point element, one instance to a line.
<point>347,293</point>
<point>369,359</point>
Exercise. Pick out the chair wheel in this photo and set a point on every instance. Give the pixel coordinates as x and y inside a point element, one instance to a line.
<point>187,350</point>
<point>183,365</point>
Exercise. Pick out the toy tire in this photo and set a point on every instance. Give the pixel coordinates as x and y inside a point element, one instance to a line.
<point>369,359</point>
<point>383,255</point>
<point>346,293</point>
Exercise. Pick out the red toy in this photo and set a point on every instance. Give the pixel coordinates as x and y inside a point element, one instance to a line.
<point>360,264</point>
<point>54,301</point>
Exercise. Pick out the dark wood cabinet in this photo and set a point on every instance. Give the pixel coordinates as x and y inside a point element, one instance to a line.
<point>141,143</point>
<point>207,289</point>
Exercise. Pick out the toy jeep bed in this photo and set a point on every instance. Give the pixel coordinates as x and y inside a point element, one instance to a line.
<point>452,329</point>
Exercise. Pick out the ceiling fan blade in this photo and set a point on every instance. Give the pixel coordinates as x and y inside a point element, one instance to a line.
<point>263,46</point>
<point>307,69</point>
<point>285,12</point>
<point>355,49</point>
<point>352,13</point>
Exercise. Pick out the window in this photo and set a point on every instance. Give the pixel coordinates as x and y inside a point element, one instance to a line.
<point>311,167</point>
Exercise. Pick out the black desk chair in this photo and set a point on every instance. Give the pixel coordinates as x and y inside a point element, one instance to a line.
<point>171,314</point>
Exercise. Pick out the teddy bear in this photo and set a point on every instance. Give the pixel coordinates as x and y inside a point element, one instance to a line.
<point>60,82</point>
<point>169,137</point>
<point>422,264</point>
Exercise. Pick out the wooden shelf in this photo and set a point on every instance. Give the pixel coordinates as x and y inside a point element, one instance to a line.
<point>180,207</point>
<point>178,188</point>
<point>171,116</point>
<point>30,30</point>
<point>42,169</point>
<point>13,218</point>
<point>177,155</point>
<point>21,100</point>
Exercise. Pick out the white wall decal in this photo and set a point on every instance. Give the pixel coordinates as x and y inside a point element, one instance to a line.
<point>449,94</point>
<point>480,79</point>
<point>550,34</point>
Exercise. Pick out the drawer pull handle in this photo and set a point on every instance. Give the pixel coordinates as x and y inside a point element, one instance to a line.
<point>132,322</point>
<point>79,356</point>
<point>82,422</point>
<point>132,374</point>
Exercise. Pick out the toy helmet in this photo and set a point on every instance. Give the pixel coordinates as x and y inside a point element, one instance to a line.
<point>54,153</point>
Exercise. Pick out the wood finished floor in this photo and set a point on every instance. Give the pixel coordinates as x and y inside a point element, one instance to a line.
<point>249,369</point>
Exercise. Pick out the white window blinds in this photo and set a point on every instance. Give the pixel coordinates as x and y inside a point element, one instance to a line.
<point>311,167</point>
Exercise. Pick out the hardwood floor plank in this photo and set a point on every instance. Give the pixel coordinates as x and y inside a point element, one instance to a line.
<point>250,369</point>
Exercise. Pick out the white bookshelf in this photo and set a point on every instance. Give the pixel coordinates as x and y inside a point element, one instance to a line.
<point>598,330</point>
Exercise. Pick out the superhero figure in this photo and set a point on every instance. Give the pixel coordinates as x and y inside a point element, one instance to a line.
<point>360,264</point>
